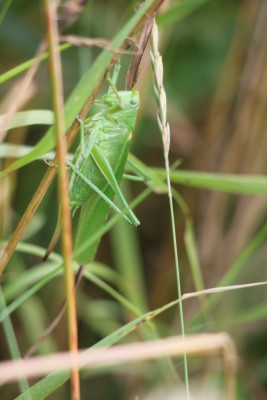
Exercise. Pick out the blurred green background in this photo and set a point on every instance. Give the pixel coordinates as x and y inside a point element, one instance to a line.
<point>215,78</point>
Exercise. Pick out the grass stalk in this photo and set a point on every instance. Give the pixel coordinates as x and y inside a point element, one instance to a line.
<point>157,65</point>
<point>58,104</point>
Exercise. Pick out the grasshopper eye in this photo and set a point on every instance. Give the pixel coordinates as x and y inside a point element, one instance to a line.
<point>133,102</point>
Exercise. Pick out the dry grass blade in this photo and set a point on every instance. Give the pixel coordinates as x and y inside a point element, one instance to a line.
<point>98,42</point>
<point>140,55</point>
<point>70,11</point>
<point>201,345</point>
<point>221,289</point>
<point>63,187</point>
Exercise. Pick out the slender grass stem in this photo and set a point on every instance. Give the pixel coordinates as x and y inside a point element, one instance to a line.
<point>58,102</point>
<point>160,94</point>
<point>177,269</point>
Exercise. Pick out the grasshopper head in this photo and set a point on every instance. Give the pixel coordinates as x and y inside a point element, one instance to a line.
<point>122,106</point>
<point>130,104</point>
<point>129,99</point>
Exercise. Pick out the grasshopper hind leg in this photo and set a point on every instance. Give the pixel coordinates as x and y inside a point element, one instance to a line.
<point>100,193</point>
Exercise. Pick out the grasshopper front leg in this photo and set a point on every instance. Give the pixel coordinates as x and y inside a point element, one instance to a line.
<point>93,135</point>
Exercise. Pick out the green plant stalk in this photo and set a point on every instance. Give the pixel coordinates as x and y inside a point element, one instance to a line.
<point>58,105</point>
<point>157,66</point>
<point>12,343</point>
<point>177,269</point>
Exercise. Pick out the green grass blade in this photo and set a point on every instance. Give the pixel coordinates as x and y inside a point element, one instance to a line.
<point>12,342</point>
<point>26,295</point>
<point>16,151</point>
<point>19,69</point>
<point>26,279</point>
<point>231,183</point>
<point>32,117</point>
<point>112,292</point>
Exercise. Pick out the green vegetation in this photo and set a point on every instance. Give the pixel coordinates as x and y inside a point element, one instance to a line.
<point>214,57</point>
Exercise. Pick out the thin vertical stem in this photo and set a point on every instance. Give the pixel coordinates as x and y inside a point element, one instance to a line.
<point>157,65</point>
<point>58,103</point>
<point>167,167</point>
